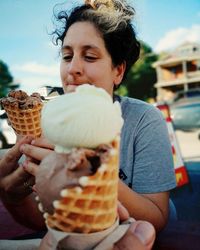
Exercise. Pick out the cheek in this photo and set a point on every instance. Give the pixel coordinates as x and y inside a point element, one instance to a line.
<point>62,78</point>
<point>62,72</point>
<point>96,74</point>
<point>61,69</point>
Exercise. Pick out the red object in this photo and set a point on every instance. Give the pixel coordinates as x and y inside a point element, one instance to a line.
<point>180,169</point>
<point>165,110</point>
<point>181,176</point>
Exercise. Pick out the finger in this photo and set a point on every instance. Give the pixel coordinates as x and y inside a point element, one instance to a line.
<point>30,167</point>
<point>122,212</point>
<point>34,152</point>
<point>15,179</point>
<point>47,242</point>
<point>129,242</point>
<point>43,143</point>
<point>141,235</point>
<point>145,232</point>
<point>9,161</point>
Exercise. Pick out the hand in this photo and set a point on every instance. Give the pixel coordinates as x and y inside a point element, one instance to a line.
<point>139,236</point>
<point>35,152</point>
<point>13,176</point>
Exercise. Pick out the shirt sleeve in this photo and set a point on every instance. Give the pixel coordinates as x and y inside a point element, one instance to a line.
<point>153,169</point>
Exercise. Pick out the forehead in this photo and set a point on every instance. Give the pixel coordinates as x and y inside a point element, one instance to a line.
<point>83,32</point>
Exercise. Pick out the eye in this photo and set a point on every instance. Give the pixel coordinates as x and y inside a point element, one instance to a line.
<point>90,58</point>
<point>67,58</point>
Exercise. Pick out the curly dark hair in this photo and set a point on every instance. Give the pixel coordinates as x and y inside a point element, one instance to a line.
<point>119,35</point>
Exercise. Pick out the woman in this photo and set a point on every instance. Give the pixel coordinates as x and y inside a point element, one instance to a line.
<point>98,46</point>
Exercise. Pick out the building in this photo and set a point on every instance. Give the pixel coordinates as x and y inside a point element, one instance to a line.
<point>50,92</point>
<point>178,71</point>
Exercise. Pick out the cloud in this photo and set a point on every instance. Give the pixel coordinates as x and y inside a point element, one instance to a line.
<point>32,75</point>
<point>32,83</point>
<point>38,69</point>
<point>178,36</point>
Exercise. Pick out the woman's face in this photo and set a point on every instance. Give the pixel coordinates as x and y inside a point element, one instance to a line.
<point>86,60</point>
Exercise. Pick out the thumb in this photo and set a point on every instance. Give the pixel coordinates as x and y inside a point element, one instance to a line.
<point>140,236</point>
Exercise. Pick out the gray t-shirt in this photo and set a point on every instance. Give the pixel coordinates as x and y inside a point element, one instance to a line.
<point>146,163</point>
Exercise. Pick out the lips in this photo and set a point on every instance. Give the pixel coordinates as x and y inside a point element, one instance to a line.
<point>70,87</point>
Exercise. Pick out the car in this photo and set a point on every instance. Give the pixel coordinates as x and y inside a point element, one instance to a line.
<point>185,94</point>
<point>185,113</point>
<point>7,134</point>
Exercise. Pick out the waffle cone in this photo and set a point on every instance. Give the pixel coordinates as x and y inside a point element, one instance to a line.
<point>93,206</point>
<point>25,121</point>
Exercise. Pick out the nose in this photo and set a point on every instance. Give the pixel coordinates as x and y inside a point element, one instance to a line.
<point>75,66</point>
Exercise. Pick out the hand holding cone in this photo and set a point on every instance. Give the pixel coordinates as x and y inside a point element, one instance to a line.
<point>92,207</point>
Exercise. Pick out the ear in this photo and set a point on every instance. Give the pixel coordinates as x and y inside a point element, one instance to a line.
<point>120,69</point>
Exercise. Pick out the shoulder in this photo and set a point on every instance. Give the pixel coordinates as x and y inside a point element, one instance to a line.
<point>137,109</point>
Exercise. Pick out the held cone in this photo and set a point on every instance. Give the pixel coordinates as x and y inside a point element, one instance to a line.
<point>92,207</point>
<point>23,111</point>
<point>25,121</point>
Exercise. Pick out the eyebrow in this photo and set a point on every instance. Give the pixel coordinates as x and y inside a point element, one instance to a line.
<point>85,47</point>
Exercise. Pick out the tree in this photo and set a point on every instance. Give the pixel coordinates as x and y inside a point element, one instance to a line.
<point>6,80</point>
<point>142,76</point>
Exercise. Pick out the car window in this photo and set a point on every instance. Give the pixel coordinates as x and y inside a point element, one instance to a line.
<point>186,117</point>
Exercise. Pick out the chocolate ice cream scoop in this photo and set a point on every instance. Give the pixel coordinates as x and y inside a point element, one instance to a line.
<point>21,100</point>
<point>59,171</point>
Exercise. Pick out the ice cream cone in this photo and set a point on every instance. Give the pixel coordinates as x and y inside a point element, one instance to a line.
<point>92,207</point>
<point>25,121</point>
<point>24,112</point>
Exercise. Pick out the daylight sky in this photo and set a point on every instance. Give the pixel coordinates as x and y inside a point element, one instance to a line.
<point>33,60</point>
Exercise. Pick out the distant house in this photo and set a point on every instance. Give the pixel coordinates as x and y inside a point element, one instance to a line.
<point>49,92</point>
<point>178,71</point>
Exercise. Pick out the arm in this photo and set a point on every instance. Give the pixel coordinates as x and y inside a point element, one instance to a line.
<point>17,198</point>
<point>147,164</point>
<point>26,213</point>
<point>150,207</point>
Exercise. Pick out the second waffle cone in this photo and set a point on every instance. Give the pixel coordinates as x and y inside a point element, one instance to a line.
<point>25,121</point>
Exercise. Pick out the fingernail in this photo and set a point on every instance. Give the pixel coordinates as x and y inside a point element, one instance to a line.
<point>25,164</point>
<point>21,148</point>
<point>33,142</point>
<point>143,230</point>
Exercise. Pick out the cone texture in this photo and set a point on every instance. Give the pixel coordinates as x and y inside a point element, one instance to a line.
<point>25,121</point>
<point>93,206</point>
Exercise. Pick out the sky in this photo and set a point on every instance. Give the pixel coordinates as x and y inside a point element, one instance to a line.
<point>26,46</point>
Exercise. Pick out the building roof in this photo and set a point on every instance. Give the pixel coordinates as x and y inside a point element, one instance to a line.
<point>185,52</point>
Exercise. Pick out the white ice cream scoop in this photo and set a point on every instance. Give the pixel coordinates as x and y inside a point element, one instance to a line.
<point>84,118</point>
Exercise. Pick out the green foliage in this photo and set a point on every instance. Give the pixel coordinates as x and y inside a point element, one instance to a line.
<point>142,76</point>
<point>122,91</point>
<point>6,80</point>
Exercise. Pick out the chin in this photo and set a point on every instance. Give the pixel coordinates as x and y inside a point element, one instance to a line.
<point>70,88</point>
